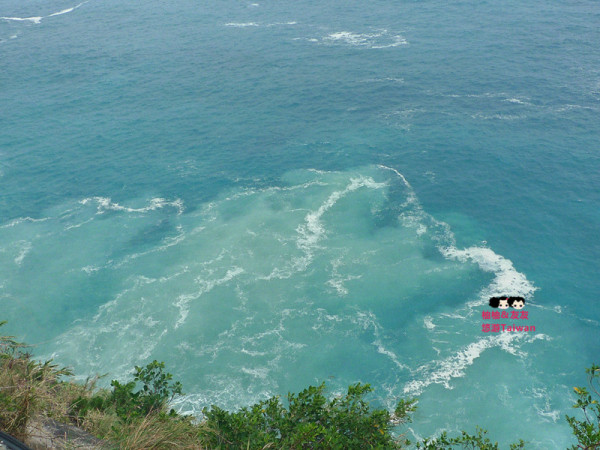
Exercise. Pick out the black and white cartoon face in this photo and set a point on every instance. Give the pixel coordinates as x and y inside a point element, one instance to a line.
<point>516,302</point>
<point>499,302</point>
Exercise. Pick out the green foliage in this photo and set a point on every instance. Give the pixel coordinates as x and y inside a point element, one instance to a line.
<point>477,441</point>
<point>587,431</point>
<point>403,410</point>
<point>9,348</point>
<point>134,414</point>
<point>156,392</point>
<point>309,421</point>
<point>83,405</point>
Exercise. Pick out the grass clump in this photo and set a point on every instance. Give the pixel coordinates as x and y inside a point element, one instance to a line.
<point>26,386</point>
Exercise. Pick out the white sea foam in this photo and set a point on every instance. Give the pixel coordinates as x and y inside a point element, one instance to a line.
<point>2,41</point>
<point>366,320</point>
<point>312,231</point>
<point>397,41</point>
<point>183,301</point>
<point>337,280</point>
<point>430,175</point>
<point>21,220</point>
<point>377,40</point>
<point>572,107</point>
<point>384,80</point>
<point>64,11</point>
<point>25,248</point>
<point>13,36</point>
<point>68,10</point>
<point>482,95</point>
<point>518,101</point>
<point>90,269</point>
<point>545,411</point>
<point>497,116</point>
<point>170,241</point>
<point>390,354</point>
<point>350,38</point>
<point>281,23</point>
<point>106,204</point>
<point>137,335</point>
<point>111,306</point>
<point>260,372</point>
<point>412,197</point>
<point>35,20</point>
<point>38,19</point>
<point>507,280</point>
<point>224,389</point>
<point>421,229</point>
<point>455,365</point>
<point>338,283</point>
<point>253,352</point>
<point>70,227</point>
<point>241,24</point>
<point>428,323</point>
<point>254,24</point>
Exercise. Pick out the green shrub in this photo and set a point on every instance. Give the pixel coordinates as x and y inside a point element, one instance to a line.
<point>587,431</point>
<point>156,392</point>
<point>309,421</point>
<point>477,441</point>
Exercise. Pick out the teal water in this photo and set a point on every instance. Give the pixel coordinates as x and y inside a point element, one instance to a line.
<point>267,195</point>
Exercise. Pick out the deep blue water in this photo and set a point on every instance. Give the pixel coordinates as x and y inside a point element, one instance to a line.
<point>267,195</point>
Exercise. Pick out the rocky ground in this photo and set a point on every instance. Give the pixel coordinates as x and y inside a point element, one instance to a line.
<point>49,434</point>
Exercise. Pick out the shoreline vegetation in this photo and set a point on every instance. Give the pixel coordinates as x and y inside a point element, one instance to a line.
<point>42,406</point>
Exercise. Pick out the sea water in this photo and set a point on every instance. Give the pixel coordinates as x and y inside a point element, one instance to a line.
<point>267,195</point>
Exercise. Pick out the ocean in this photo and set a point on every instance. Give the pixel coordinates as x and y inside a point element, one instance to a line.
<point>267,195</point>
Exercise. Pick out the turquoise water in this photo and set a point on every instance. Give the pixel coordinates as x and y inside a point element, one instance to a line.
<point>267,195</point>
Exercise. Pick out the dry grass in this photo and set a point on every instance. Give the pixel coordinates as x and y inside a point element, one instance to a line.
<point>99,423</point>
<point>30,389</point>
<point>156,433</point>
<point>26,388</point>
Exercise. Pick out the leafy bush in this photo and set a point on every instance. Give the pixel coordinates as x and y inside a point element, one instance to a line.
<point>157,390</point>
<point>309,421</point>
<point>587,431</point>
<point>477,441</point>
